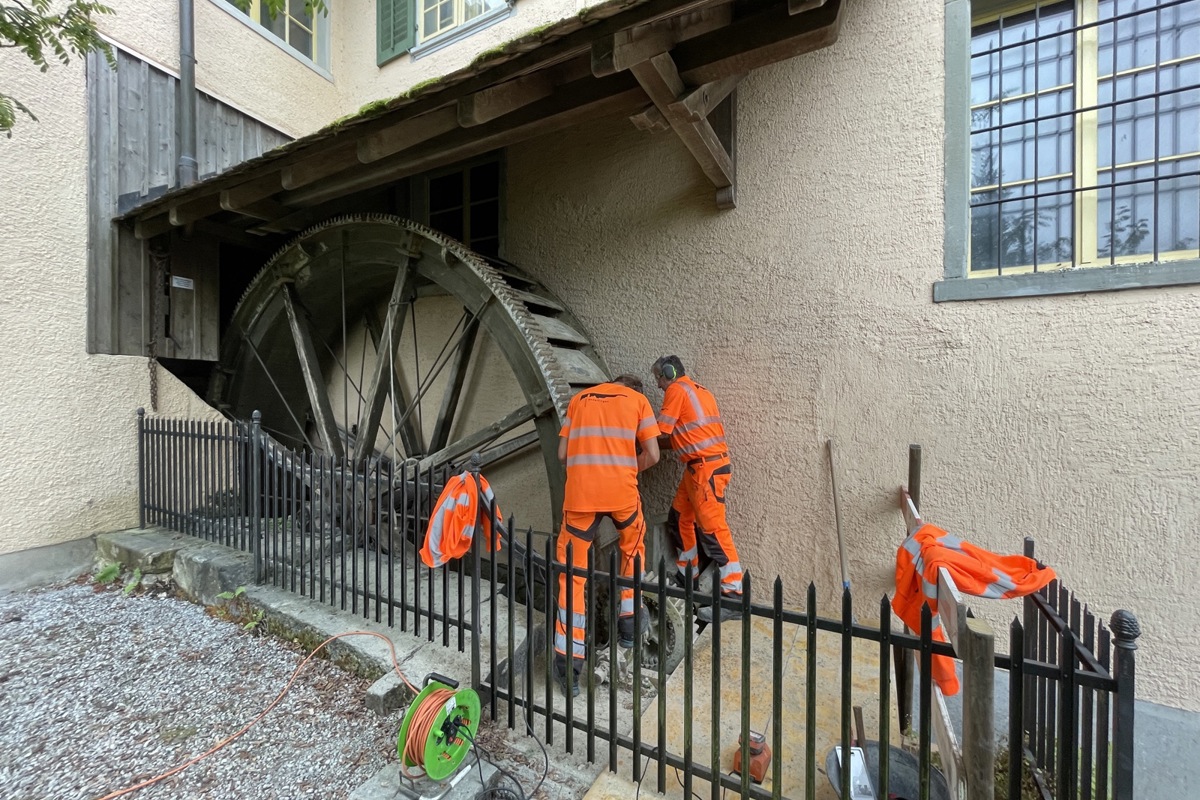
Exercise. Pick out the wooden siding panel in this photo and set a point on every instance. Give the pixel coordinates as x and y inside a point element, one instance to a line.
<point>133,145</point>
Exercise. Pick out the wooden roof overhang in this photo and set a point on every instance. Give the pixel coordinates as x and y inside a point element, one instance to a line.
<point>666,63</point>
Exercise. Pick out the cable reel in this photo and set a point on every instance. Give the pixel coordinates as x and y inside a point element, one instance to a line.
<point>439,727</point>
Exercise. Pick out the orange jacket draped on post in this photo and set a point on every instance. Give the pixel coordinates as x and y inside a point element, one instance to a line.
<point>452,523</point>
<point>976,571</point>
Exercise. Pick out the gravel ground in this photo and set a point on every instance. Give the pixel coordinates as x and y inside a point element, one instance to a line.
<point>101,691</point>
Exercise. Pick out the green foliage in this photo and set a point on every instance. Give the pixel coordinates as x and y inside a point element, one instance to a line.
<point>134,582</point>
<point>33,27</point>
<point>109,573</point>
<point>237,609</point>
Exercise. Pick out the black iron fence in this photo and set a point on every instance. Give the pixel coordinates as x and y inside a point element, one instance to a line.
<point>349,535</point>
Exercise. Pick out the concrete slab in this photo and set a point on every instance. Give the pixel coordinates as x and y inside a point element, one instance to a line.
<point>610,786</point>
<point>203,571</point>
<point>151,550</point>
<point>472,778</point>
<point>724,710</point>
<point>40,566</point>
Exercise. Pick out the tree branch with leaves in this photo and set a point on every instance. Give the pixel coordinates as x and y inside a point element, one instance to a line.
<point>46,37</point>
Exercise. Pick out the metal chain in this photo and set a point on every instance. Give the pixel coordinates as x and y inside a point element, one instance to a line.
<point>160,262</point>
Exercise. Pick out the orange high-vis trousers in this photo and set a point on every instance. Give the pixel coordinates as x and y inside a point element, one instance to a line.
<point>697,522</point>
<point>577,534</point>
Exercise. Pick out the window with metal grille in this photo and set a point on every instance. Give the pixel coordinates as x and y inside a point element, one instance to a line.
<point>1084,135</point>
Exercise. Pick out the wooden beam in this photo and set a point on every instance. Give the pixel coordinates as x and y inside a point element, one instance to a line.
<point>382,375</point>
<point>258,209</point>
<point>410,436</point>
<point>697,104</point>
<point>504,98</point>
<point>756,41</point>
<point>661,80</point>
<point>454,386</point>
<point>570,105</point>
<point>801,6</point>
<point>149,227</point>
<point>310,368</point>
<point>192,210</point>
<point>478,439</point>
<point>236,236</point>
<point>723,120</point>
<point>650,119</point>
<point>625,48</point>
<point>328,162</point>
<point>406,134</point>
<point>237,197</point>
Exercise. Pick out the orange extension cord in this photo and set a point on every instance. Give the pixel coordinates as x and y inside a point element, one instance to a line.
<point>420,726</point>
<point>421,712</point>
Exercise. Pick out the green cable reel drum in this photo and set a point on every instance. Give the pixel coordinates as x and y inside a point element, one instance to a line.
<point>444,746</point>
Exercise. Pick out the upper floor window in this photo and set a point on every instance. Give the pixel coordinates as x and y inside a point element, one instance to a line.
<point>1084,142</point>
<point>296,26</point>
<point>423,26</point>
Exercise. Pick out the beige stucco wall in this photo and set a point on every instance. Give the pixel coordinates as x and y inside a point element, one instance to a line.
<point>808,311</point>
<point>67,419</point>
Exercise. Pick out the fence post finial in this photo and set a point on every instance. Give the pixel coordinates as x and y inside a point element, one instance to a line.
<point>1125,629</point>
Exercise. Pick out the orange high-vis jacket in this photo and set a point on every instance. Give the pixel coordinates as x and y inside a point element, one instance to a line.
<point>452,524</point>
<point>976,571</point>
<point>602,428</point>
<point>690,417</point>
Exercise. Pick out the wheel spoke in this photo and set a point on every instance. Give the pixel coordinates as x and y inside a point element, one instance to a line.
<point>477,439</point>
<point>502,451</point>
<point>384,375</point>
<point>283,398</point>
<point>310,368</point>
<point>458,374</point>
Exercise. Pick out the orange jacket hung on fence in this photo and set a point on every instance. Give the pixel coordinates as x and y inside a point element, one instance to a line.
<point>452,523</point>
<point>976,571</point>
<point>602,429</point>
<point>690,417</point>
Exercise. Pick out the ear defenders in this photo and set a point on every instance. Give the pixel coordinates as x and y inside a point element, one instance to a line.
<point>668,372</point>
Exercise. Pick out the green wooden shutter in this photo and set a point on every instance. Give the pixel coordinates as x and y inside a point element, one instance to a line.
<point>394,28</point>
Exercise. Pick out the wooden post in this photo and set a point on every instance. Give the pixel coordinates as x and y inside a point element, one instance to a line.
<point>977,647</point>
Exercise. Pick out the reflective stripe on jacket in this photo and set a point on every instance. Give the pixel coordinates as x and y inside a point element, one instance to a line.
<point>452,523</point>
<point>602,428</point>
<point>690,417</point>
<point>976,571</point>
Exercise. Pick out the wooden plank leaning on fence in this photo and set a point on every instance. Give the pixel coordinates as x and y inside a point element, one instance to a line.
<point>971,766</point>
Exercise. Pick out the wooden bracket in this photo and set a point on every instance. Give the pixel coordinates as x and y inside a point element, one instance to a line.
<point>660,79</point>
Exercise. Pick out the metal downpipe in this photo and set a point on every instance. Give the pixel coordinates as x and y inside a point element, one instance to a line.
<point>187,167</point>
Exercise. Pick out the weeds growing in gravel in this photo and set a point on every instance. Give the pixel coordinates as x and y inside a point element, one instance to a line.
<point>237,609</point>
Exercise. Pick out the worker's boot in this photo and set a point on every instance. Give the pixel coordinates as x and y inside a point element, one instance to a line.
<point>560,679</point>
<point>705,614</point>
<point>626,627</point>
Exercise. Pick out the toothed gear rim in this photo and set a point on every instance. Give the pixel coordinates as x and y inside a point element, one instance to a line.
<point>259,363</point>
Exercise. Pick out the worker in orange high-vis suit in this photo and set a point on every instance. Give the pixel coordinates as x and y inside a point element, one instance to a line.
<point>691,425</point>
<point>599,443</point>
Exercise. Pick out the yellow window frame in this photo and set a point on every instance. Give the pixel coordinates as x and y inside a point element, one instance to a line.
<point>457,19</point>
<point>1085,211</point>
